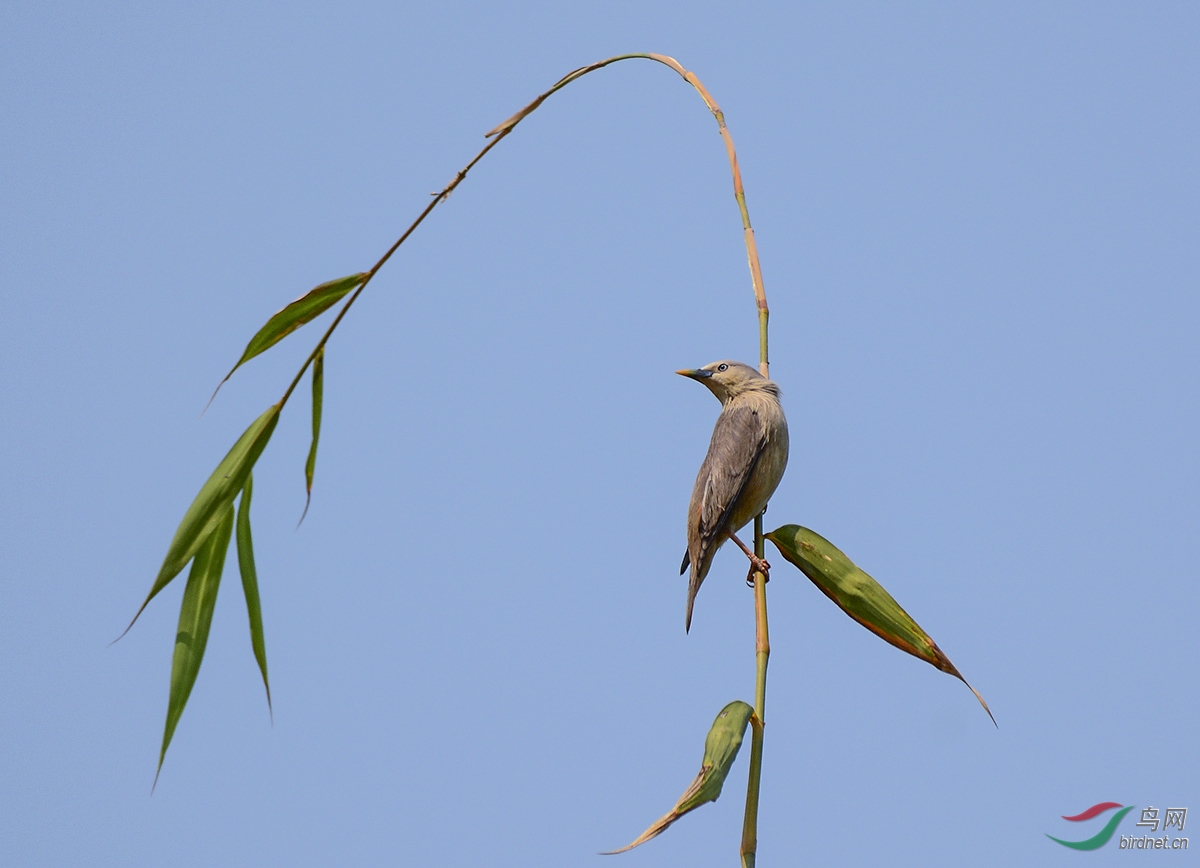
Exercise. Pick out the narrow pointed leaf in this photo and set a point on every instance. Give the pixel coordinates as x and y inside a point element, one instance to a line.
<point>195,619</point>
<point>720,750</point>
<point>215,495</point>
<point>318,395</point>
<point>245,554</point>
<point>301,311</point>
<point>860,596</point>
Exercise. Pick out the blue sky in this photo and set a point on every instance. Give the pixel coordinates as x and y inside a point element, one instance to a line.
<point>978,230</point>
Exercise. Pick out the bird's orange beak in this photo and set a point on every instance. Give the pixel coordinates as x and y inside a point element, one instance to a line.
<point>695,373</point>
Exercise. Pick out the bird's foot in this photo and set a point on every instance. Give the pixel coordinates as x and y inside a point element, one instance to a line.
<point>757,564</point>
<point>755,568</point>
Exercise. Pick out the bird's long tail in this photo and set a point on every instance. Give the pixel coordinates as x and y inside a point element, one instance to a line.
<point>693,586</point>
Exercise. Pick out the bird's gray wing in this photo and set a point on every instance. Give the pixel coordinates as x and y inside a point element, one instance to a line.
<point>738,441</point>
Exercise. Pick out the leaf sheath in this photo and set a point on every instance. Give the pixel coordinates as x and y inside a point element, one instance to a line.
<point>720,750</point>
<point>861,597</point>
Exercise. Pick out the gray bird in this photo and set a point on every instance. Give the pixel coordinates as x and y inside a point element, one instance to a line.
<point>746,459</point>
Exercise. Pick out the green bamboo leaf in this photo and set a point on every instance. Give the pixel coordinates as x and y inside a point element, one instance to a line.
<point>195,619</point>
<point>245,553</point>
<point>301,311</point>
<point>861,597</point>
<point>720,750</point>
<point>318,392</point>
<point>215,495</point>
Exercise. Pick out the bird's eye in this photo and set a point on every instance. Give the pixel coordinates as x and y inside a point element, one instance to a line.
<point>722,367</point>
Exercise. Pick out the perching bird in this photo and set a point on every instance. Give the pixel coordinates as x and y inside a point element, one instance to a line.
<point>746,459</point>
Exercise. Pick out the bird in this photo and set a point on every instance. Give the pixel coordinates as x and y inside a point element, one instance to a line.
<point>745,462</point>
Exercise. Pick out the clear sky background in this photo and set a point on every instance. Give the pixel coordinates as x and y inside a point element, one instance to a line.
<point>978,227</point>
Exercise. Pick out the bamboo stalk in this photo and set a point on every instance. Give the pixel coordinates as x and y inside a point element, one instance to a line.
<point>762,653</point>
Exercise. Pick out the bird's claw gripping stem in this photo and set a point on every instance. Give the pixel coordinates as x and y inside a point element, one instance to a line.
<point>757,564</point>
<point>761,567</point>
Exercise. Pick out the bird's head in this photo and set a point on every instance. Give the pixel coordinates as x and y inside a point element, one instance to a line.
<point>727,379</point>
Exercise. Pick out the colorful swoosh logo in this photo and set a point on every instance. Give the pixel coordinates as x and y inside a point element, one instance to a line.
<point>1100,838</point>
<point>1092,811</point>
